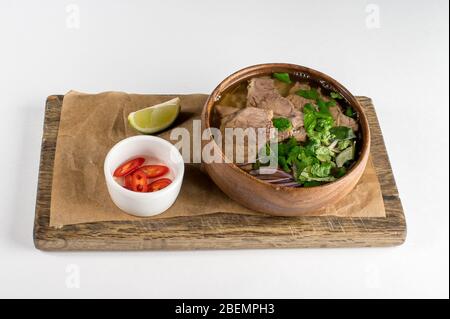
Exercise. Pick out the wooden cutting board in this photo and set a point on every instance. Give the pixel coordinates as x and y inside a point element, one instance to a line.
<point>219,231</point>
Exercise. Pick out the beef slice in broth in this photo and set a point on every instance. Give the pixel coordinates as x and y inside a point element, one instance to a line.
<point>263,94</point>
<point>223,111</point>
<point>340,119</point>
<point>249,117</point>
<point>298,101</point>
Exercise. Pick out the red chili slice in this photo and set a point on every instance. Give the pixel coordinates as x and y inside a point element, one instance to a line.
<point>158,184</point>
<point>128,167</point>
<point>153,171</point>
<point>139,181</point>
<point>128,181</point>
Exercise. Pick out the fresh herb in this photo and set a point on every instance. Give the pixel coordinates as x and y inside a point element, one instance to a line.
<point>324,106</point>
<point>342,132</point>
<point>256,165</point>
<point>339,172</point>
<point>335,95</point>
<point>321,170</point>
<point>350,112</point>
<point>310,162</point>
<point>283,164</point>
<point>312,184</point>
<point>318,122</point>
<point>282,124</point>
<point>311,94</point>
<point>283,77</point>
<point>331,102</point>
<point>309,174</point>
<point>324,154</point>
<point>342,145</point>
<point>346,155</point>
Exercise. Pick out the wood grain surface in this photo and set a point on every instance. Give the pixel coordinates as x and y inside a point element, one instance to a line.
<point>219,231</point>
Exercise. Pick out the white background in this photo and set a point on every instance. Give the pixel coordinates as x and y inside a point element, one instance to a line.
<point>188,47</point>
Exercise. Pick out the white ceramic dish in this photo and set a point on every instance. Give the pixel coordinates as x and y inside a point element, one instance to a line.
<point>144,204</point>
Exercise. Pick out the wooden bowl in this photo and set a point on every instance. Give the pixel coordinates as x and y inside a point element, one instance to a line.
<point>272,199</point>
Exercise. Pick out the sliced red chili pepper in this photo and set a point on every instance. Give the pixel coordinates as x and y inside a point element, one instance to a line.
<point>128,167</point>
<point>158,184</point>
<point>153,171</point>
<point>128,181</point>
<point>139,181</point>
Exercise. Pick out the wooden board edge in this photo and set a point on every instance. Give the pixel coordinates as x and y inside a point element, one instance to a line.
<point>40,221</point>
<point>384,169</point>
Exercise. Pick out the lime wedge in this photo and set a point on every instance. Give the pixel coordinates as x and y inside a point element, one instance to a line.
<point>155,118</point>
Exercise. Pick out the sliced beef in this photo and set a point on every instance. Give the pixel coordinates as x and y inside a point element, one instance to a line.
<point>298,101</point>
<point>339,117</point>
<point>300,134</point>
<point>299,86</point>
<point>284,135</point>
<point>296,118</point>
<point>343,120</point>
<point>263,94</point>
<point>223,111</point>
<point>249,117</point>
<point>259,90</point>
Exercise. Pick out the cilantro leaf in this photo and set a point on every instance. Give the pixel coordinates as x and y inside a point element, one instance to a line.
<point>282,124</point>
<point>309,108</point>
<point>331,102</point>
<point>311,94</point>
<point>339,172</point>
<point>283,164</point>
<point>311,173</point>
<point>342,132</point>
<point>336,95</point>
<point>324,154</point>
<point>345,156</point>
<point>349,112</point>
<point>321,170</point>
<point>309,121</point>
<point>312,183</point>
<point>283,77</point>
<point>342,145</point>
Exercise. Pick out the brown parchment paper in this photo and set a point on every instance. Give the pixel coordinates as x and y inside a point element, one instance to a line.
<point>91,124</point>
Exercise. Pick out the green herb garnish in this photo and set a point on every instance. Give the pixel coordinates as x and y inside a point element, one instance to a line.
<point>342,132</point>
<point>318,122</point>
<point>311,94</point>
<point>339,172</point>
<point>342,145</point>
<point>324,154</point>
<point>312,183</point>
<point>346,155</point>
<point>282,123</point>
<point>283,77</point>
<point>349,112</point>
<point>335,95</point>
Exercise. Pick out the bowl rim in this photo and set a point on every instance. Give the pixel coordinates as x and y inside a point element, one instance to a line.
<point>266,69</point>
<point>138,195</point>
